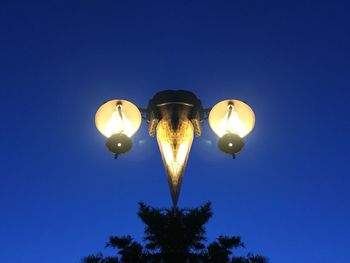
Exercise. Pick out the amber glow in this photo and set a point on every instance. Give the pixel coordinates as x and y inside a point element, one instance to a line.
<point>231,123</point>
<point>118,116</point>
<point>175,146</point>
<point>118,123</point>
<point>231,116</point>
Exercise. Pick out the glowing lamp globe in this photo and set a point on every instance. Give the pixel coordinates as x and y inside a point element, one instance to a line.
<point>118,120</point>
<point>231,120</point>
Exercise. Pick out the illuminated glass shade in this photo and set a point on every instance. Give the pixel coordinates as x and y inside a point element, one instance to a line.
<point>118,116</point>
<point>231,116</point>
<point>175,146</point>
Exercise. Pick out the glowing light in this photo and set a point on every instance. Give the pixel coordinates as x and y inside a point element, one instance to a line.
<point>118,123</point>
<point>231,122</point>
<point>231,116</point>
<point>175,146</point>
<point>118,116</point>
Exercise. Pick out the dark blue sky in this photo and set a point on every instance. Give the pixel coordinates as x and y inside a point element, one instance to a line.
<point>61,192</point>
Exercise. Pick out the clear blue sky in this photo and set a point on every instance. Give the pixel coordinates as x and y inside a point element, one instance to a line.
<point>61,192</point>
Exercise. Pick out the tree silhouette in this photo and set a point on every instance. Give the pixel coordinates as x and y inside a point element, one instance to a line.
<point>175,236</point>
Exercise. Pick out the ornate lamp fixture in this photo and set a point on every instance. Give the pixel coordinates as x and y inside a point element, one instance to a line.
<point>175,117</point>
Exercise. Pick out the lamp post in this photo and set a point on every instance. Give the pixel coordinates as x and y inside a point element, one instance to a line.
<point>175,117</point>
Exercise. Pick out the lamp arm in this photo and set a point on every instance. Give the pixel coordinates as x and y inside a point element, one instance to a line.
<point>144,113</point>
<point>205,113</point>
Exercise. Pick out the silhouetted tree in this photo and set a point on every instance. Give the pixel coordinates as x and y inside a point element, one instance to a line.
<point>175,236</point>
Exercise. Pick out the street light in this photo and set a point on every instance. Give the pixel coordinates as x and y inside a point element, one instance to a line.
<point>175,117</point>
<point>118,120</point>
<point>231,120</point>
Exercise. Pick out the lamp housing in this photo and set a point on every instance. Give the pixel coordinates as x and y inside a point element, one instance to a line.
<point>174,116</point>
<point>231,120</point>
<point>118,120</point>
